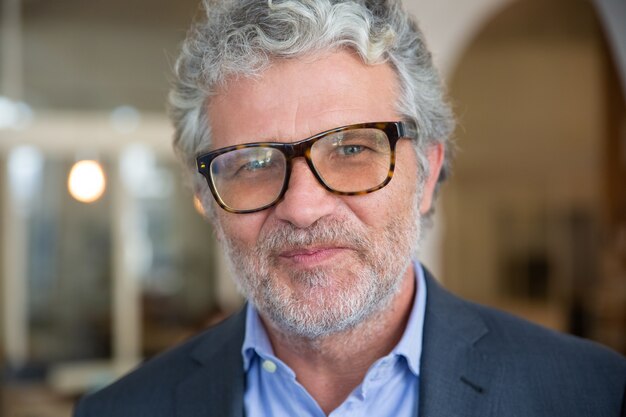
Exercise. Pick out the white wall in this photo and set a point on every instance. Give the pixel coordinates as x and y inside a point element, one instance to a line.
<point>450,25</point>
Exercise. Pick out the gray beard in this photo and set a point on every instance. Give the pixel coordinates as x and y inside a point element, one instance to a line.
<point>322,306</point>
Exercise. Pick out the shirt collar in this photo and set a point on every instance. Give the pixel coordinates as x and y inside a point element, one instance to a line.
<point>257,341</point>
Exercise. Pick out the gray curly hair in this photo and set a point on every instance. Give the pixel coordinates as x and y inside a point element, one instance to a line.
<point>243,37</point>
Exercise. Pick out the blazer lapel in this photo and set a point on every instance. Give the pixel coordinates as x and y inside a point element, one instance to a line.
<point>216,388</point>
<point>457,378</point>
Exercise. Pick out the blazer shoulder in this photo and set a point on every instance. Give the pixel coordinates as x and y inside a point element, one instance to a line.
<point>532,353</point>
<point>525,338</point>
<point>556,365</point>
<point>151,387</point>
<point>524,369</point>
<point>517,338</point>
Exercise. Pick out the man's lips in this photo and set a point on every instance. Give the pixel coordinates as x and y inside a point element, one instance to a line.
<point>309,256</point>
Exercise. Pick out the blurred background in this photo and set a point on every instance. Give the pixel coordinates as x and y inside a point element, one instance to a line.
<point>105,259</point>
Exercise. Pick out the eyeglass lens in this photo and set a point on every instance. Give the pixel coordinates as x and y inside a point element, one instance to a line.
<point>348,161</point>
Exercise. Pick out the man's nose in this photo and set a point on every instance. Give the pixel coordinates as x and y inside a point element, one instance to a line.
<point>305,200</point>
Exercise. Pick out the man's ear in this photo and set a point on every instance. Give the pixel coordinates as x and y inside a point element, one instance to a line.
<point>209,214</point>
<point>435,155</point>
<point>217,228</point>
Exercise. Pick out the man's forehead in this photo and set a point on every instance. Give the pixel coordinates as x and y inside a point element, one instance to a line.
<point>297,98</point>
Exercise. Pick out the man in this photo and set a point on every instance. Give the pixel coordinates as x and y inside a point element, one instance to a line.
<point>318,130</point>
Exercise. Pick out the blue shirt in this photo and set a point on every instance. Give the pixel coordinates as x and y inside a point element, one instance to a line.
<point>389,389</point>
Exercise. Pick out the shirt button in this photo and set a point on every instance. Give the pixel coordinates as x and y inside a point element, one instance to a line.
<point>269,366</point>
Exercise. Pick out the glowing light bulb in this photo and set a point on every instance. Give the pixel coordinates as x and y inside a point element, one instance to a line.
<point>86,182</point>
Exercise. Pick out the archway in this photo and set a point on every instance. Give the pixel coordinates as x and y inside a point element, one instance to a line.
<point>539,115</point>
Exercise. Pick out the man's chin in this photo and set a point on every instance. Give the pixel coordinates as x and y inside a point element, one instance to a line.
<point>316,309</point>
<point>312,325</point>
<point>324,280</point>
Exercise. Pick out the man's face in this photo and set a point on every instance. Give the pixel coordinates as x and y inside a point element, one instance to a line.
<point>318,263</point>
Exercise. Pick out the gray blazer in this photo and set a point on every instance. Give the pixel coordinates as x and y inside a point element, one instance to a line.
<point>475,362</point>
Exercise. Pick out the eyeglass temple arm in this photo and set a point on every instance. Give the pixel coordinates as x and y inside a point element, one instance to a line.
<point>408,129</point>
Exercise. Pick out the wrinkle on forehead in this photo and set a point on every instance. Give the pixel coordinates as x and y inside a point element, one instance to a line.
<point>334,90</point>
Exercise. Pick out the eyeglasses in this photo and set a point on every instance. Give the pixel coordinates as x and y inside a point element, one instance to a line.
<point>349,160</point>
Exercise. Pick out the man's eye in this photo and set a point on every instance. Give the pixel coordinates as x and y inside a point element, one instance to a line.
<point>256,165</point>
<point>350,150</point>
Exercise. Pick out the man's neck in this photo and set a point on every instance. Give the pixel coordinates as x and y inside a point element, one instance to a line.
<point>331,367</point>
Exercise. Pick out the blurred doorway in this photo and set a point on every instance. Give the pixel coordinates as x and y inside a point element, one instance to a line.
<point>538,172</point>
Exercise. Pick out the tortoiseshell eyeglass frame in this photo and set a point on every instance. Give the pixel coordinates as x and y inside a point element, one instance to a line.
<point>393,131</point>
